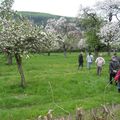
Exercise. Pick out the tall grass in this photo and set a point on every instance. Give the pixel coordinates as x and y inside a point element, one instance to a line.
<point>53,82</point>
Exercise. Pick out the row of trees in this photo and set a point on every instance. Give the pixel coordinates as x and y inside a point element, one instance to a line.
<point>67,32</point>
<point>19,36</point>
<point>101,24</point>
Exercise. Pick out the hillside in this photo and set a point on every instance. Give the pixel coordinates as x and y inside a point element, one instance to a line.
<point>40,18</point>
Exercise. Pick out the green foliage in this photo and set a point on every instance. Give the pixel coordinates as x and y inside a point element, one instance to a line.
<point>93,40</point>
<point>71,87</point>
<point>91,24</point>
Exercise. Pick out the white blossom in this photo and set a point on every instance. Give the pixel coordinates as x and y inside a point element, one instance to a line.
<point>110,32</point>
<point>108,7</point>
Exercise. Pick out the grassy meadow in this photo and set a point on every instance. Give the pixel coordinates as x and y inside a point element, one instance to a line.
<point>53,82</point>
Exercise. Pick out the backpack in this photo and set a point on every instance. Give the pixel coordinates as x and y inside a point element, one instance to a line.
<point>100,61</point>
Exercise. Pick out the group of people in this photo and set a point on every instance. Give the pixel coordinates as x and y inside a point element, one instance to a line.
<point>89,59</point>
<point>114,66</point>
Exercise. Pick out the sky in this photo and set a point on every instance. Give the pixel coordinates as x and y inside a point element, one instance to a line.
<point>56,7</point>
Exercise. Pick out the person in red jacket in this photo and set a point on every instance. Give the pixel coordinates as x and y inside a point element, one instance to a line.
<point>117,79</point>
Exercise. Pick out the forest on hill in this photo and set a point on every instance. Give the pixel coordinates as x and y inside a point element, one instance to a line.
<point>41,18</point>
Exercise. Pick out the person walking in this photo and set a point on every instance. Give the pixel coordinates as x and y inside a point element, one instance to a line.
<point>99,62</point>
<point>114,66</point>
<point>117,79</point>
<point>89,60</point>
<point>80,61</point>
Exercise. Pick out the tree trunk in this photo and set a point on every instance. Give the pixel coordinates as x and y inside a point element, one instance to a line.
<point>108,45</point>
<point>96,53</point>
<point>110,16</point>
<point>71,50</point>
<point>108,49</point>
<point>64,50</point>
<point>65,53</point>
<point>48,53</point>
<point>20,69</point>
<point>9,58</point>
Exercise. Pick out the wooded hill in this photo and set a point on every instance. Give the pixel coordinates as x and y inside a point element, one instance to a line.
<point>40,18</point>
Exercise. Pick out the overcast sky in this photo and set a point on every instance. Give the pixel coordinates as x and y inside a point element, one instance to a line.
<point>57,7</point>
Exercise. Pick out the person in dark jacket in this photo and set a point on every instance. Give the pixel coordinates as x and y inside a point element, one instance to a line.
<point>113,68</point>
<point>80,61</point>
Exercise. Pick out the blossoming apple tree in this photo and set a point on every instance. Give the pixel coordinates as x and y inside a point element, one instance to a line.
<point>110,34</point>
<point>20,36</point>
<point>67,32</point>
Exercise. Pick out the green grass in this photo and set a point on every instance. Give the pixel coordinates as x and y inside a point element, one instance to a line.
<point>71,87</point>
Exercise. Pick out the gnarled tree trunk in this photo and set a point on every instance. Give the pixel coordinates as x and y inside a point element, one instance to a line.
<point>64,50</point>
<point>48,53</point>
<point>9,58</point>
<point>20,69</point>
<point>96,52</point>
<point>108,49</point>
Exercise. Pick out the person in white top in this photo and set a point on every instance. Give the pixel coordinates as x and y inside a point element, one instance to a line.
<point>89,60</point>
<point>99,62</point>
